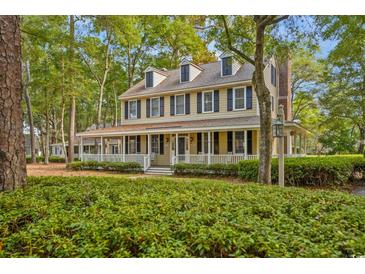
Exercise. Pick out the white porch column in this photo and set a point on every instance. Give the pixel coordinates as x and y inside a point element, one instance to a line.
<point>300,143</point>
<point>101,148</point>
<point>245,144</point>
<point>123,148</point>
<point>209,148</point>
<point>188,156</point>
<point>81,148</point>
<point>288,144</point>
<point>149,144</point>
<point>176,147</point>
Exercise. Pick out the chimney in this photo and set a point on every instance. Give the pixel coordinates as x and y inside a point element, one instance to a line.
<point>285,88</point>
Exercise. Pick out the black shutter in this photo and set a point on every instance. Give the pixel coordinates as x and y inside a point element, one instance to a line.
<point>161,144</point>
<point>126,145</point>
<point>187,103</point>
<point>199,102</point>
<point>249,142</point>
<point>138,143</point>
<point>148,107</point>
<point>172,105</point>
<point>249,97</point>
<point>126,110</point>
<point>216,101</point>
<point>146,144</point>
<point>199,148</point>
<point>138,109</point>
<point>216,142</point>
<point>229,99</point>
<point>162,107</point>
<point>229,141</point>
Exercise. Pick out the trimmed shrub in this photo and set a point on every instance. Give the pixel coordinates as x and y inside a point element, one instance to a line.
<point>315,171</point>
<point>107,166</point>
<point>156,217</point>
<point>203,169</point>
<point>51,159</point>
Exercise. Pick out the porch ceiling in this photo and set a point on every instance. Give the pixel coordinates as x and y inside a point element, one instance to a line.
<point>179,126</point>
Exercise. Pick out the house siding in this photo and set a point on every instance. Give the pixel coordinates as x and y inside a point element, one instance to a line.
<point>194,115</point>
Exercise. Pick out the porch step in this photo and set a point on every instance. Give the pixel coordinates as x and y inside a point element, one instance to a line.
<point>158,171</point>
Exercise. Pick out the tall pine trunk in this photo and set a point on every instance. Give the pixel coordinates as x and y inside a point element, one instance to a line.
<point>361,149</point>
<point>263,96</point>
<point>63,113</point>
<point>12,151</point>
<point>72,118</point>
<point>29,112</point>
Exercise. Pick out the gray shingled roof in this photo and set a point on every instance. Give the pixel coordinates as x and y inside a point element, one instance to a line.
<point>210,76</point>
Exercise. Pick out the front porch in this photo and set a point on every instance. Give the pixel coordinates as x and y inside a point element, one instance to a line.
<point>164,149</point>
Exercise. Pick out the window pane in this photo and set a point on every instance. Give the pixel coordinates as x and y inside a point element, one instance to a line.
<point>239,142</point>
<point>208,101</point>
<point>149,79</point>
<point>205,143</point>
<point>133,109</point>
<point>239,98</point>
<point>132,145</point>
<point>180,104</point>
<point>227,66</point>
<point>155,147</point>
<point>155,106</point>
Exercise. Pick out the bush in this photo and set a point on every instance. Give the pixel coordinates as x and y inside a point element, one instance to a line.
<point>316,171</point>
<point>108,166</point>
<point>154,217</point>
<point>51,159</point>
<point>203,169</point>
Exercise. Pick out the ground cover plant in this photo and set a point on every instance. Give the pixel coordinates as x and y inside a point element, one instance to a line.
<point>156,217</point>
<point>108,166</point>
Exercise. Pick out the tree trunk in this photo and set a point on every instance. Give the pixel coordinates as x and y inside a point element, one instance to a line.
<point>72,118</point>
<point>12,152</point>
<point>361,149</point>
<point>63,113</point>
<point>46,146</point>
<point>30,113</point>
<point>115,122</point>
<point>263,96</point>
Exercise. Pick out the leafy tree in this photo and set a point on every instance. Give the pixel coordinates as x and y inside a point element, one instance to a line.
<point>344,98</point>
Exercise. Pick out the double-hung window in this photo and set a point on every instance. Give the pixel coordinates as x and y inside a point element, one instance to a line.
<point>273,75</point>
<point>239,142</point>
<point>132,149</point>
<point>149,79</point>
<point>155,107</point>
<point>132,109</point>
<point>155,146</point>
<point>239,98</point>
<point>184,73</point>
<point>208,101</point>
<point>180,104</point>
<point>227,66</point>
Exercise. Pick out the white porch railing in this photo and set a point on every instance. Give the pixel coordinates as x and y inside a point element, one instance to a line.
<point>138,158</point>
<point>220,158</point>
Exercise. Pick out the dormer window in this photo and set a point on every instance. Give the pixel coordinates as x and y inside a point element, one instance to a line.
<point>185,73</point>
<point>149,79</point>
<point>227,66</point>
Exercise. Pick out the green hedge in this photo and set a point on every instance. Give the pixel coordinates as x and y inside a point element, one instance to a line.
<point>108,166</point>
<point>203,169</point>
<point>155,217</point>
<point>316,171</point>
<point>51,159</point>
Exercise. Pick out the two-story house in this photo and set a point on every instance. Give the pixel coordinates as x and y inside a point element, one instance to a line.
<point>206,113</point>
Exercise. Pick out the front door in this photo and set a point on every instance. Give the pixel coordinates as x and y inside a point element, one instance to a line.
<point>181,149</point>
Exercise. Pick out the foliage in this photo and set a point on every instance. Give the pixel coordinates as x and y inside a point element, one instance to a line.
<point>203,169</point>
<point>108,166</point>
<point>315,171</point>
<point>51,159</point>
<point>154,217</point>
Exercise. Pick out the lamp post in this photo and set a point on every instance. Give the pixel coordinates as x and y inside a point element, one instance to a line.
<point>278,132</point>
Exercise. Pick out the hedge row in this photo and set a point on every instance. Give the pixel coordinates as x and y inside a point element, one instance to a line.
<point>155,217</point>
<point>316,171</point>
<point>107,166</point>
<point>51,159</point>
<point>203,169</point>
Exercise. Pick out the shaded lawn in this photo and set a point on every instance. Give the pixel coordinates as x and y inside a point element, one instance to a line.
<point>169,217</point>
